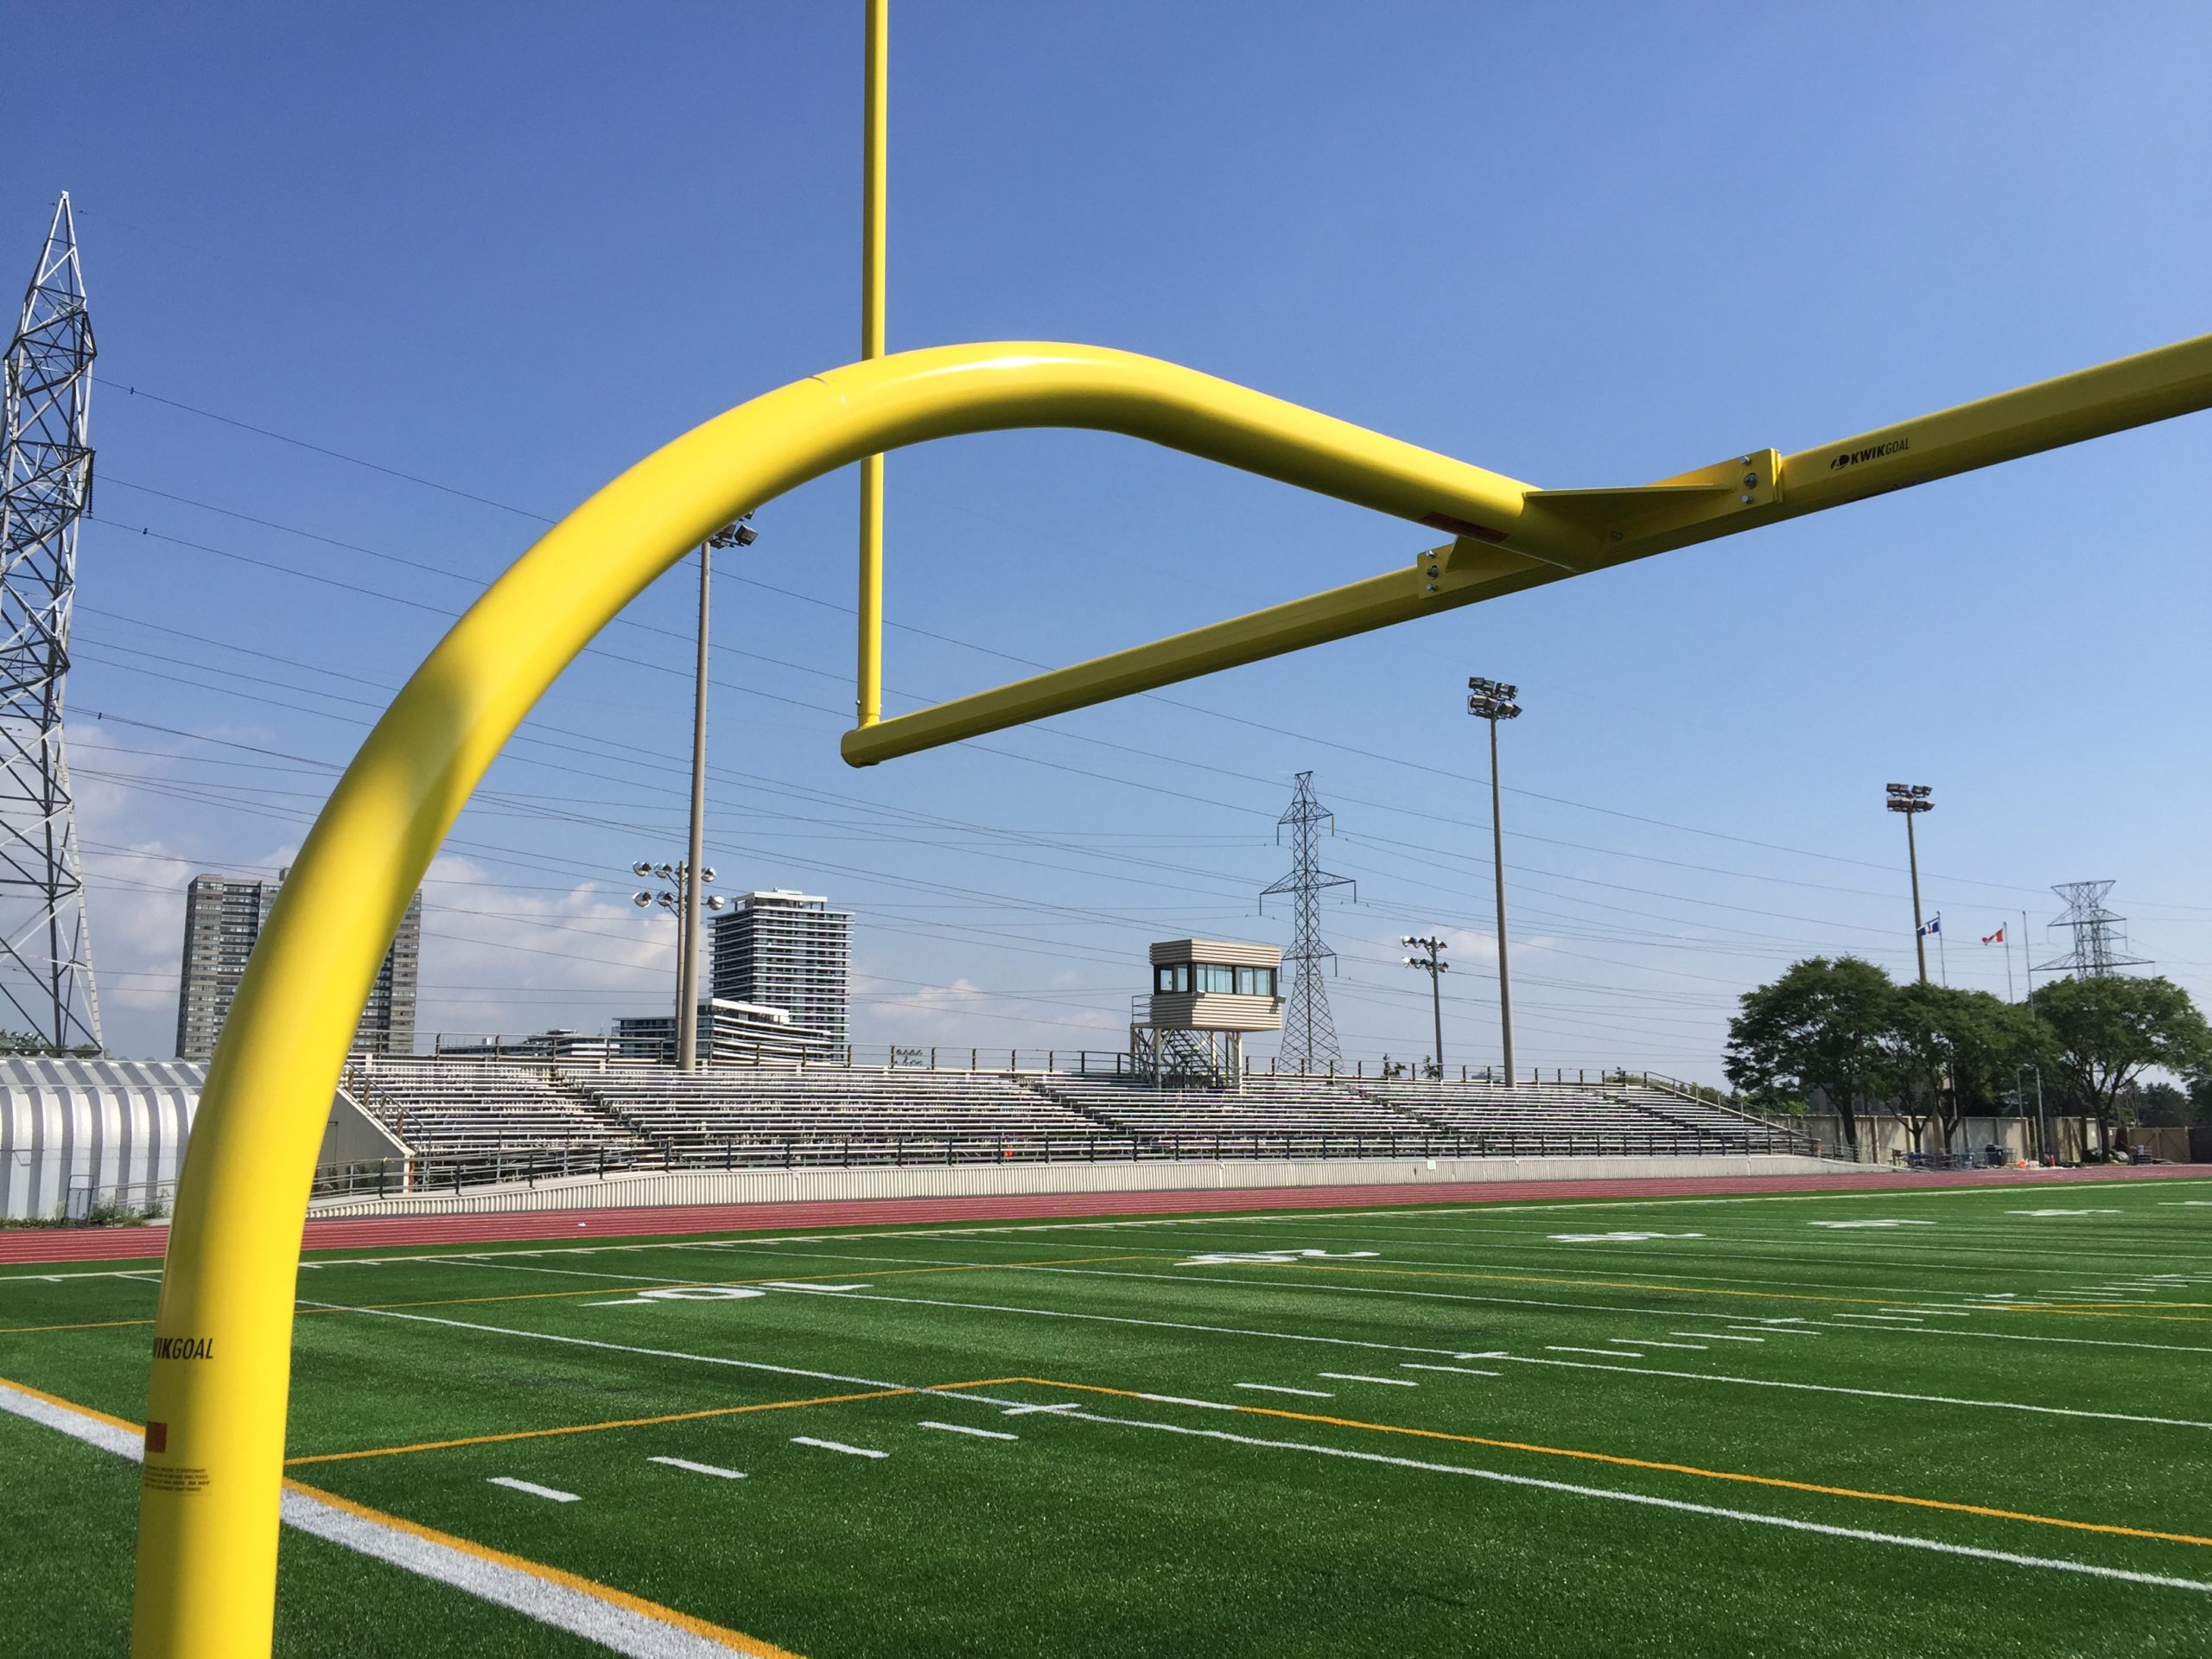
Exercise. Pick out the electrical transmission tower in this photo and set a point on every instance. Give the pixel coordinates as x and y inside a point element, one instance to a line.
<point>2099,936</point>
<point>46,479</point>
<point>1309,1035</point>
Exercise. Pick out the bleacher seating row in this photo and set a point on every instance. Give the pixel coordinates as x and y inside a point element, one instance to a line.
<point>851,1114</point>
<point>473,1113</point>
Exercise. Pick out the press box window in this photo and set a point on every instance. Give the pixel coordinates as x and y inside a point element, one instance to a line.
<point>1256,982</point>
<point>1172,978</point>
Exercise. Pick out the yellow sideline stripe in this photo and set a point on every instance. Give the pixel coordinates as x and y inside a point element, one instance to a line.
<point>736,1641</point>
<point>1664,1468</point>
<point>639,1422</point>
<point>593,1428</point>
<point>108,1418</point>
<point>89,1325</point>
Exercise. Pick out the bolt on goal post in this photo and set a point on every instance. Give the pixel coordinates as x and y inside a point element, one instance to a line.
<point>206,1559</point>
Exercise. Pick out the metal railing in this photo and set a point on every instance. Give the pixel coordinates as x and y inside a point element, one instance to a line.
<point>460,1169</point>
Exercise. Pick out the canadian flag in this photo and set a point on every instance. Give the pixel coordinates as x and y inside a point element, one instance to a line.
<point>1998,938</point>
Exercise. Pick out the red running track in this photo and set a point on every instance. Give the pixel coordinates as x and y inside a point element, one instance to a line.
<point>400,1232</point>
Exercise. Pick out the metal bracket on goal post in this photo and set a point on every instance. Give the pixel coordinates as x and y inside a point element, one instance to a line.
<point>222,1336</point>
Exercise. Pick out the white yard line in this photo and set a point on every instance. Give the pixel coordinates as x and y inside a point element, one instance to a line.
<point>559,1603</point>
<point>700,1468</point>
<point>1614,1353</point>
<point>1649,1343</point>
<point>963,1428</point>
<point>552,1494</point>
<point>1354,1376</point>
<point>838,1445</point>
<point>612,1347</point>
<point>1678,1505</point>
<point>1720,1336</point>
<point>1457,1370</point>
<point>1277,1388</point>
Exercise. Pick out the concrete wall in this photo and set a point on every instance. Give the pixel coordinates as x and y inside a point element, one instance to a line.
<point>635,1188</point>
<point>1883,1140</point>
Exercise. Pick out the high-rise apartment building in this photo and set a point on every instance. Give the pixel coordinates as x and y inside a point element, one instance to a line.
<point>223,919</point>
<point>788,950</point>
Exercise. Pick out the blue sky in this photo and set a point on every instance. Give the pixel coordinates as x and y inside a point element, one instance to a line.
<point>511,249</point>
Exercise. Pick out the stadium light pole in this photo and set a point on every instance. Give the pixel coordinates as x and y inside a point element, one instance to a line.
<point>1491,700</point>
<point>1432,960</point>
<point>1911,799</point>
<point>739,534</point>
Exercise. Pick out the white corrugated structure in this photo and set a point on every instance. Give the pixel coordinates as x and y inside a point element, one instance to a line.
<point>113,1129</point>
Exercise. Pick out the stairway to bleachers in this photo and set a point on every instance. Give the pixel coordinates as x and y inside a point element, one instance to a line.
<point>749,1115</point>
<point>1629,1118</point>
<point>467,1112</point>
<point>1692,1114</point>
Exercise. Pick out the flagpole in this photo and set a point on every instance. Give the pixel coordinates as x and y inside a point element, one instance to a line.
<point>2007,943</point>
<point>1943,957</point>
<point>2027,968</point>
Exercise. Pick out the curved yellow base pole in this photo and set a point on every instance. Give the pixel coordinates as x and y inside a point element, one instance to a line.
<point>222,1346</point>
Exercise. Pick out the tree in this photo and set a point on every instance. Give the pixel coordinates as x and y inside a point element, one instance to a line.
<point>1954,1053</point>
<point>2160,1103</point>
<point>1820,1026</point>
<point>2109,1030</point>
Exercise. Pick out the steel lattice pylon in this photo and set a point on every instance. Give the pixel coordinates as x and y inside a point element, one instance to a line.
<point>46,479</point>
<point>2100,935</point>
<point>1309,1033</point>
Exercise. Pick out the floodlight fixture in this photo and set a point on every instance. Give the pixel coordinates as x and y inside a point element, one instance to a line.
<point>1492,700</point>
<point>1909,798</point>
<point>736,534</point>
<point>641,900</point>
<point>641,868</point>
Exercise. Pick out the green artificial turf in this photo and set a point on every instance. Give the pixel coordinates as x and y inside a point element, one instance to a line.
<point>1562,1506</point>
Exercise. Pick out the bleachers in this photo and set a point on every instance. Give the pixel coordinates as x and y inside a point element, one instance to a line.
<point>466,1110</point>
<point>832,1115</point>
<point>1267,1106</point>
<point>476,1120</point>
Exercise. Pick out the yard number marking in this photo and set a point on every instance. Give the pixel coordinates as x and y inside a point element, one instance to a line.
<point>685,1293</point>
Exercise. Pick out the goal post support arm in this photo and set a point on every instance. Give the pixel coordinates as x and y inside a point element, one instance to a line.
<point>1561,533</point>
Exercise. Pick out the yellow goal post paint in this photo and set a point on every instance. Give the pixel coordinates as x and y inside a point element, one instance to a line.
<point>222,1337</point>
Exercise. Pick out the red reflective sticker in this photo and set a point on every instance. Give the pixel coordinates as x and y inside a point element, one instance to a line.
<point>157,1439</point>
